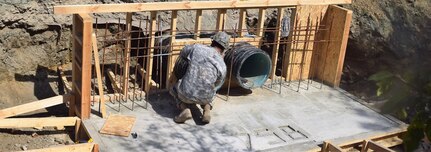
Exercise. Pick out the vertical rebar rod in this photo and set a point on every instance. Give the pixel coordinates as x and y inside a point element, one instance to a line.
<point>295,40</point>
<point>314,54</point>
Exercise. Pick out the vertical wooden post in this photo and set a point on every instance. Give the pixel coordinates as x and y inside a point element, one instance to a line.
<point>261,22</point>
<point>242,25</point>
<point>221,18</point>
<point>81,72</point>
<point>198,24</point>
<point>330,63</point>
<point>171,60</point>
<point>127,54</point>
<point>277,42</point>
<point>152,39</point>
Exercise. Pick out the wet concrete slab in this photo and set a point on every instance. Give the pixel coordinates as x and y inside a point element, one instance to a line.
<point>266,120</point>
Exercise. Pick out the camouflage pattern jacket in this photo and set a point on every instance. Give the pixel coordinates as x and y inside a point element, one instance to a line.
<point>205,74</point>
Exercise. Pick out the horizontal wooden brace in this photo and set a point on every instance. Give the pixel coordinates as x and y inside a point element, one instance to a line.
<point>86,147</point>
<point>188,5</point>
<point>38,122</point>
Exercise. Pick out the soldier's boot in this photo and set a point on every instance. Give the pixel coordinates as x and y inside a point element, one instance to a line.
<point>206,118</point>
<point>185,114</point>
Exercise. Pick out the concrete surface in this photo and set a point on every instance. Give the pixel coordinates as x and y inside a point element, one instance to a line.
<point>264,120</point>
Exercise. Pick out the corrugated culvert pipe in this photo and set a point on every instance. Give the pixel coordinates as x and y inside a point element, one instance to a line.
<point>250,67</point>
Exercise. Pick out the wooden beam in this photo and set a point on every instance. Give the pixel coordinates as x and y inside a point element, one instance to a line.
<point>86,66</point>
<point>64,80</point>
<point>261,22</point>
<point>198,24</point>
<point>242,27</point>
<point>329,147</point>
<point>221,19</point>
<point>188,5</point>
<point>115,84</point>
<point>87,147</point>
<point>331,59</point>
<point>152,40</point>
<point>32,106</point>
<point>38,122</point>
<point>274,58</point>
<point>371,145</point>
<point>99,76</point>
<point>127,53</point>
<point>171,58</point>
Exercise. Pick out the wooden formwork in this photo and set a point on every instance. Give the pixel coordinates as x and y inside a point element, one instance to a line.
<point>306,60</point>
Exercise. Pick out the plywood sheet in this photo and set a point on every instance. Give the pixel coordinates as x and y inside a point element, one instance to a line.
<point>119,125</point>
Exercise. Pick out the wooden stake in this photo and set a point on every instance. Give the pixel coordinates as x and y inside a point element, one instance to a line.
<point>127,54</point>
<point>277,44</point>
<point>99,76</point>
<point>149,68</point>
<point>221,18</point>
<point>198,23</point>
<point>242,22</point>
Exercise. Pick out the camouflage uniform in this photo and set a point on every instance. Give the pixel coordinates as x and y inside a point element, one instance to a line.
<point>205,74</point>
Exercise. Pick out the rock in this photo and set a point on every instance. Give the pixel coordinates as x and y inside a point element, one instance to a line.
<point>24,148</point>
<point>58,140</point>
<point>34,135</point>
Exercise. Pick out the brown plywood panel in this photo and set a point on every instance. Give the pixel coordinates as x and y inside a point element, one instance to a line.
<point>330,58</point>
<point>299,58</point>
<point>118,125</point>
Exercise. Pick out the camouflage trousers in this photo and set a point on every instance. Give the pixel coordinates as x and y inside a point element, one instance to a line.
<point>179,98</point>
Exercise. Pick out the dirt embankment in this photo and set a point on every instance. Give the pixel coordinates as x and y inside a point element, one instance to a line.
<point>391,35</point>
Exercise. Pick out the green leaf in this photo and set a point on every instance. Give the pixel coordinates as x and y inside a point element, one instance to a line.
<point>428,129</point>
<point>413,137</point>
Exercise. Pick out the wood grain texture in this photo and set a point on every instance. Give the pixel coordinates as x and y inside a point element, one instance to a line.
<point>38,122</point>
<point>330,59</point>
<point>188,5</point>
<point>118,125</point>
<point>98,76</point>
<point>32,106</point>
<point>87,147</point>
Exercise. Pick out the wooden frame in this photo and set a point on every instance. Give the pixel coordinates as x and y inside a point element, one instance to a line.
<point>188,5</point>
<point>82,29</point>
<point>59,123</point>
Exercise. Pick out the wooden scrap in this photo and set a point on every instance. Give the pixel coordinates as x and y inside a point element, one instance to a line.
<point>99,76</point>
<point>66,83</point>
<point>118,125</point>
<point>32,106</point>
<point>38,122</point>
<point>114,82</point>
<point>87,147</point>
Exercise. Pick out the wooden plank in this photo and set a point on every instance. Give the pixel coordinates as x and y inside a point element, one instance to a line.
<point>128,44</point>
<point>180,43</point>
<point>86,66</point>
<point>242,22</point>
<point>77,129</point>
<point>302,52</point>
<point>274,58</point>
<point>329,147</point>
<point>114,82</point>
<point>198,24</point>
<point>150,53</point>
<point>32,106</point>
<point>331,55</point>
<point>87,147</point>
<point>188,5</point>
<point>99,76</point>
<point>261,22</point>
<point>141,70</point>
<point>172,58</point>
<point>76,72</point>
<point>118,125</point>
<point>64,80</point>
<point>221,19</point>
<point>371,145</point>
<point>37,122</point>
